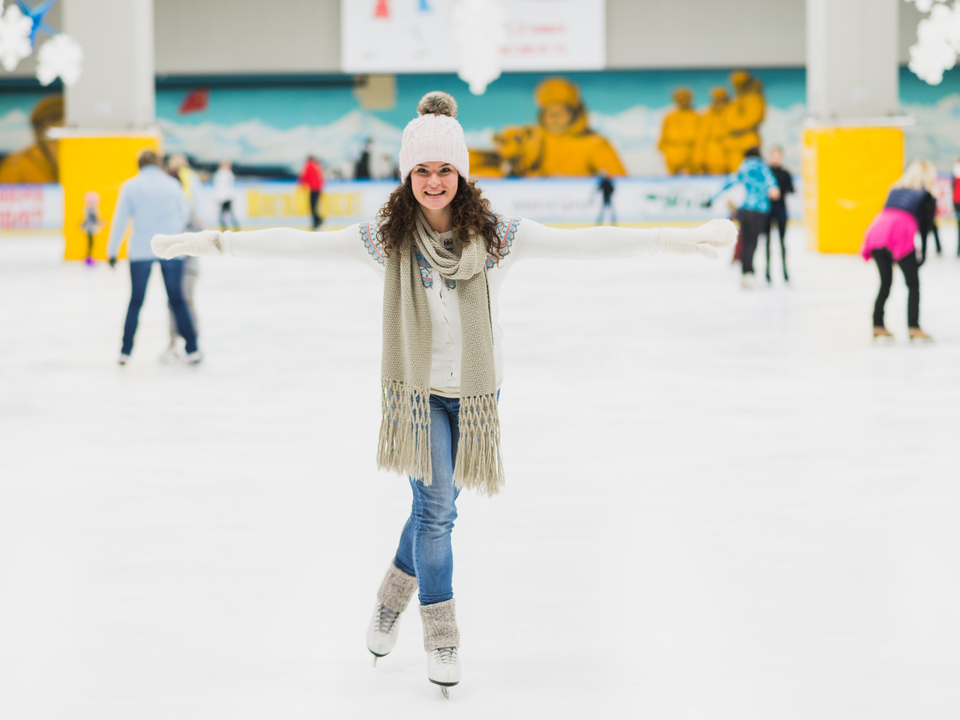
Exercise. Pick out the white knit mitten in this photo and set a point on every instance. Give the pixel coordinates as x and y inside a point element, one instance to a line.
<point>703,239</point>
<point>205,242</point>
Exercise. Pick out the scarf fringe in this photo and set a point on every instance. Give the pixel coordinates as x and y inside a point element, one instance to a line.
<point>405,431</point>
<point>479,464</point>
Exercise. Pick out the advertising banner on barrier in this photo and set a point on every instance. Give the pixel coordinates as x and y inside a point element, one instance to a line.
<point>548,200</point>
<point>573,201</point>
<point>31,207</point>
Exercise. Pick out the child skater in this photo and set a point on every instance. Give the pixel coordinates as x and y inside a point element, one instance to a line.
<point>443,255</point>
<point>92,223</point>
<point>890,239</point>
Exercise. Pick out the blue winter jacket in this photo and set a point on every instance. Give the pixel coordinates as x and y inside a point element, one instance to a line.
<point>156,204</point>
<point>756,177</point>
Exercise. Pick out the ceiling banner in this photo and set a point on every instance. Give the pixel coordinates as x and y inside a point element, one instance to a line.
<point>407,36</point>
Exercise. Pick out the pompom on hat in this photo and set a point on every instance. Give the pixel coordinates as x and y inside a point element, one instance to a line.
<point>434,136</point>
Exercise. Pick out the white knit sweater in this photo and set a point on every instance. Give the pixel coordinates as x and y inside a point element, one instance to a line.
<point>521,240</point>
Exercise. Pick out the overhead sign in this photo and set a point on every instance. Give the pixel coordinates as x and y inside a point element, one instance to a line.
<point>416,36</point>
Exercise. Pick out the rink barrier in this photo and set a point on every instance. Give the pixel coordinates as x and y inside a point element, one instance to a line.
<point>26,209</point>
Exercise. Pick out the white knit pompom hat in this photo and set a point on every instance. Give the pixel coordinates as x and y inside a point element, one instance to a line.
<point>435,136</point>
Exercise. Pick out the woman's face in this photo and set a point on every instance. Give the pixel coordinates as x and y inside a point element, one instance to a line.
<point>434,184</point>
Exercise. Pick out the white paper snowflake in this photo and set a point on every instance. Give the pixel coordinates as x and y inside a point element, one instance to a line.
<point>925,5</point>
<point>938,40</point>
<point>60,56</point>
<point>15,31</point>
<point>480,29</point>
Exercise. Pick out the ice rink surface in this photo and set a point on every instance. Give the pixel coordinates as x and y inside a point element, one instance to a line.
<point>720,504</point>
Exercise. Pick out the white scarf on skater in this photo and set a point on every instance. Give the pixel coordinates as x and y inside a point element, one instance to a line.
<point>407,355</point>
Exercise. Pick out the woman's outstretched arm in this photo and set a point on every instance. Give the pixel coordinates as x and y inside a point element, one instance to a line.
<point>539,241</point>
<point>340,245</point>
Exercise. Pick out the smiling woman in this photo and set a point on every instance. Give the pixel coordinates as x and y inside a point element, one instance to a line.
<point>443,254</point>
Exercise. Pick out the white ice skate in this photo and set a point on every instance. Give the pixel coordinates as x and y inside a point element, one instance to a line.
<point>443,668</point>
<point>123,359</point>
<point>193,358</point>
<point>170,356</point>
<point>382,632</point>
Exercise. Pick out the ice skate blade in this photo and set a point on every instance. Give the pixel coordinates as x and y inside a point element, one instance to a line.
<point>882,341</point>
<point>443,684</point>
<point>376,656</point>
<point>446,693</point>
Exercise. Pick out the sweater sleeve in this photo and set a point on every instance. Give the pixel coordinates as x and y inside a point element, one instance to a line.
<point>355,243</point>
<point>534,240</point>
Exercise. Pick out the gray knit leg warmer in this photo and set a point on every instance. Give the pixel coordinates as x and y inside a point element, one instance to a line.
<point>440,625</point>
<point>396,589</point>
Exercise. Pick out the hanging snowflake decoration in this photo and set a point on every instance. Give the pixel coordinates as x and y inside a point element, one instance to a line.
<point>15,31</point>
<point>938,40</point>
<point>60,56</point>
<point>480,30</point>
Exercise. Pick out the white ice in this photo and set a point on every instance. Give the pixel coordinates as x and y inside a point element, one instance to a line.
<point>721,505</point>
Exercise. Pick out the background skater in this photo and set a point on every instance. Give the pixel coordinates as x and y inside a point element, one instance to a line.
<point>761,187</point>
<point>155,203</point>
<point>606,188</point>
<point>890,239</point>
<point>778,207</point>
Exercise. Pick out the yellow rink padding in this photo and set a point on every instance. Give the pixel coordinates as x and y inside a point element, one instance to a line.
<point>847,173</point>
<point>99,164</point>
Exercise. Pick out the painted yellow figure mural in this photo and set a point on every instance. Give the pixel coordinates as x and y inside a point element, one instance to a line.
<point>561,143</point>
<point>724,131</point>
<point>744,115</point>
<point>710,152</point>
<point>38,162</point>
<point>678,135</point>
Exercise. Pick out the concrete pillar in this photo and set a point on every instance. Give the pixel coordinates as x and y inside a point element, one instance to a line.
<point>852,64</point>
<point>110,111</point>
<point>852,146</point>
<point>116,90</point>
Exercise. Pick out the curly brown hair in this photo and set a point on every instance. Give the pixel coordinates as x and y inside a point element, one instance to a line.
<point>471,212</point>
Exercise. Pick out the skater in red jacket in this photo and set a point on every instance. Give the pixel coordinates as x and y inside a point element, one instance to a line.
<point>312,177</point>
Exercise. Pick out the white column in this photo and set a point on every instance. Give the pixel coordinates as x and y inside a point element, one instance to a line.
<point>116,90</point>
<point>852,62</point>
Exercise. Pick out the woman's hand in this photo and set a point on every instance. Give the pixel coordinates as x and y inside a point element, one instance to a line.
<point>703,240</point>
<point>205,242</point>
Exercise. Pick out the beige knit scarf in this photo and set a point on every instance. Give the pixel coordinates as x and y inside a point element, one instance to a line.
<point>407,353</point>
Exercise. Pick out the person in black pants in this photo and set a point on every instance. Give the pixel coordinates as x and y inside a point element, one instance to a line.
<point>927,223</point>
<point>890,239</point>
<point>605,187</point>
<point>778,207</point>
<point>761,187</point>
<point>910,267</point>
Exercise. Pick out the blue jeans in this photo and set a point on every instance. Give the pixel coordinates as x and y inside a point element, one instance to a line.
<point>172,276</point>
<point>425,549</point>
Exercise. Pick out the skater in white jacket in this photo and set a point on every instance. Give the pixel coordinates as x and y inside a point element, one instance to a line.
<point>224,184</point>
<point>443,255</point>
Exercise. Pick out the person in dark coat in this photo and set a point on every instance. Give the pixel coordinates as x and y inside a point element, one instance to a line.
<point>605,187</point>
<point>778,207</point>
<point>927,223</point>
<point>361,171</point>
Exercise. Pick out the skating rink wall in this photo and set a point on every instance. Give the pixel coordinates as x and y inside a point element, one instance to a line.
<point>567,201</point>
<point>573,201</point>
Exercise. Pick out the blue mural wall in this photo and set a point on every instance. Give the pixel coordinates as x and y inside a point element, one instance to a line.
<point>278,126</point>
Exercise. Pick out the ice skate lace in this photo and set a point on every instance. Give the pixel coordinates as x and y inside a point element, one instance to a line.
<point>446,656</point>
<point>386,620</point>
